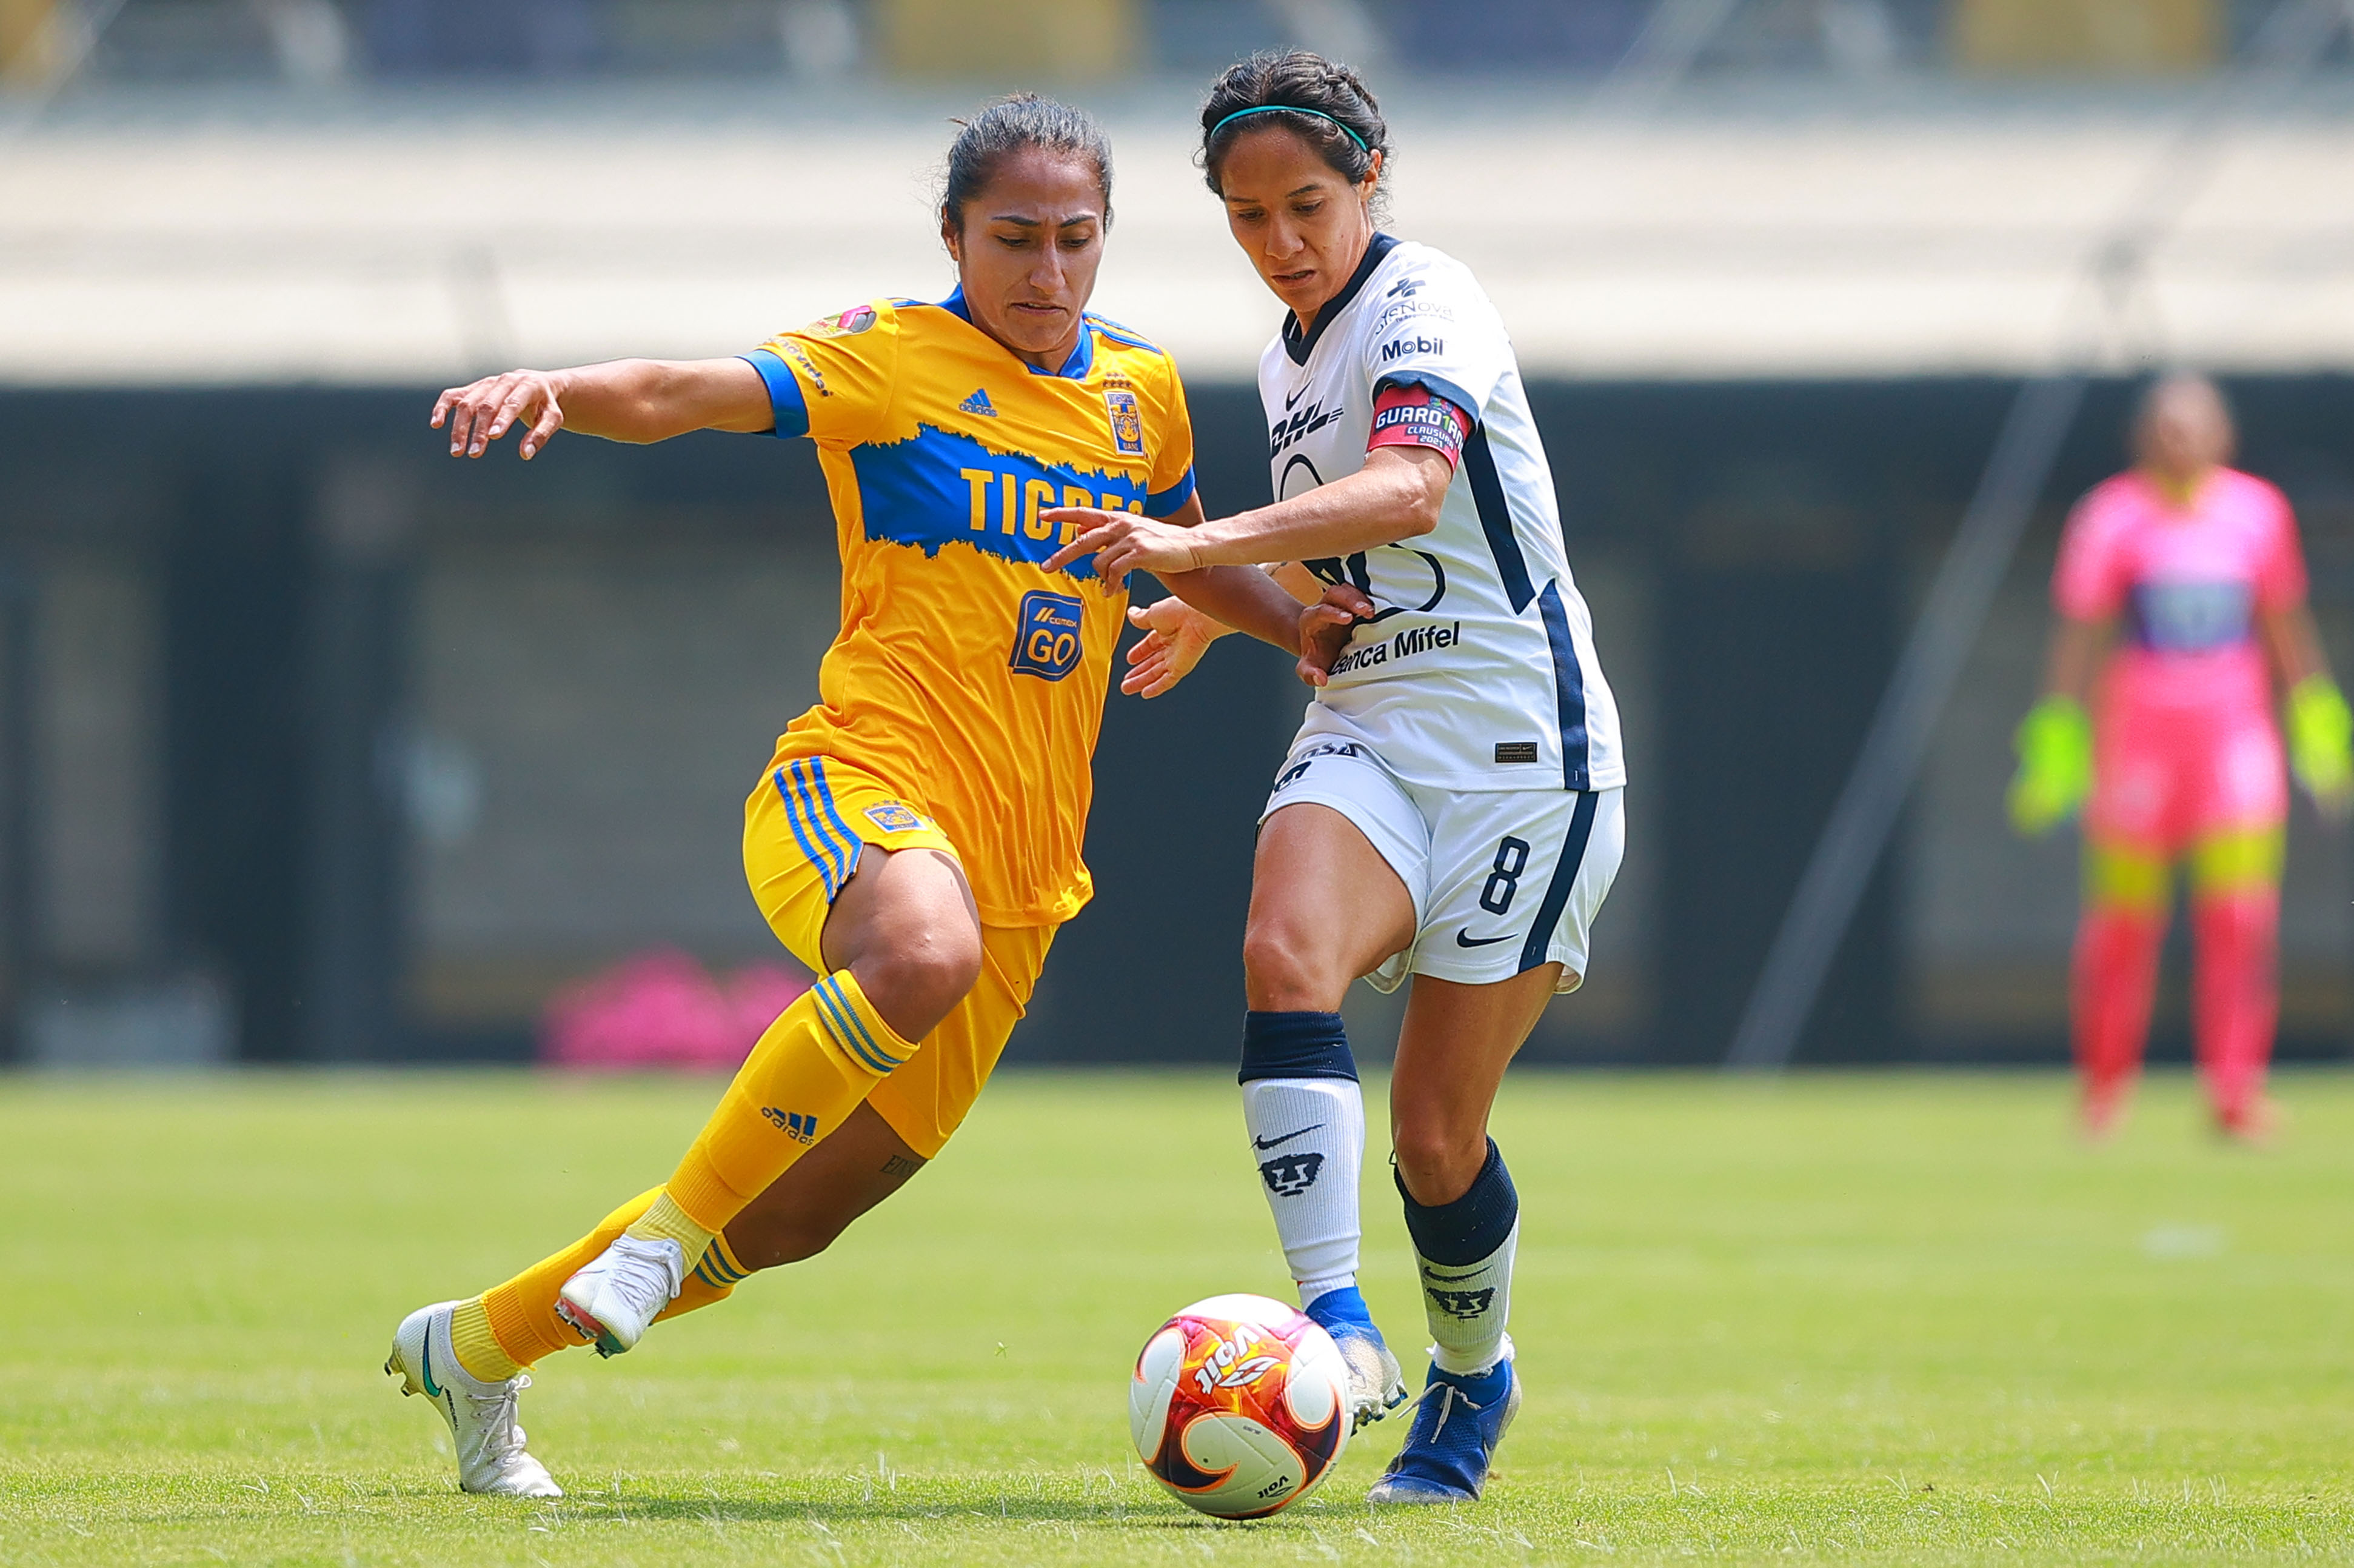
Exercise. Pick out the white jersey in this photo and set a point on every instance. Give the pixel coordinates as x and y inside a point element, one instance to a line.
<point>1478,671</point>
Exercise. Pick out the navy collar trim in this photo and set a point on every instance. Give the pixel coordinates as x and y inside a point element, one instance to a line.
<point>1075,368</point>
<point>1299,346</point>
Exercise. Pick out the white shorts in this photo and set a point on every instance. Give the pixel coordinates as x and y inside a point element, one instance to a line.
<point>1502,880</point>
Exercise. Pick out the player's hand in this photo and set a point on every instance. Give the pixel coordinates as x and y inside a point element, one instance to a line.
<point>1325,628</point>
<point>481,412</point>
<point>2321,744</point>
<point>2055,765</point>
<point>1122,543</point>
<point>1176,635</point>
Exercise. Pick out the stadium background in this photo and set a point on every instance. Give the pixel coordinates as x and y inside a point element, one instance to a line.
<point>318,746</point>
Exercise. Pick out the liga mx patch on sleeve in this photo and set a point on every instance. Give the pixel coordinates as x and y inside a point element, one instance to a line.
<point>1126,423</point>
<point>1046,637</point>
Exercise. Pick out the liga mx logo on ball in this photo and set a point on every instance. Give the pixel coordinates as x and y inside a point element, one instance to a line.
<point>1239,1405</point>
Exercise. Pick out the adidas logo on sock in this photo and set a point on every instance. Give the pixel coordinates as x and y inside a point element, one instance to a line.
<point>800,1128</point>
<point>978,403</point>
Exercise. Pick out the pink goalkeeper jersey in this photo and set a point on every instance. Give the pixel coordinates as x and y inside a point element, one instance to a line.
<point>2188,583</point>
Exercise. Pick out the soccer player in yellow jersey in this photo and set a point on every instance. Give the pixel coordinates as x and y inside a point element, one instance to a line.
<point>915,841</point>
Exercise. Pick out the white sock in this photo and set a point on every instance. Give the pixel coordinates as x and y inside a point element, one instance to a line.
<point>1467,1308</point>
<point>1308,1139</point>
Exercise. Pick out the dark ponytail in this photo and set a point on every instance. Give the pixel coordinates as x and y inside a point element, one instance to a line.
<point>1323,103</point>
<point>1017,124</point>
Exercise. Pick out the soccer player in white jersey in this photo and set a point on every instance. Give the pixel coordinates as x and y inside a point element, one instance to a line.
<point>1450,808</point>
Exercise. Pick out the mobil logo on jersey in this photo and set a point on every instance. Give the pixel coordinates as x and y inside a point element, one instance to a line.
<point>942,487</point>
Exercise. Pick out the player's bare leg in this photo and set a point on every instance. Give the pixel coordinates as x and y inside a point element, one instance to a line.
<point>810,1205</point>
<point>1325,908</point>
<point>1452,1052</point>
<point>1464,1216</point>
<point>905,936</point>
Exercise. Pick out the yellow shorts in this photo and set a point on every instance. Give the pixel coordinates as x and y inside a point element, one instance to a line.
<point>804,829</point>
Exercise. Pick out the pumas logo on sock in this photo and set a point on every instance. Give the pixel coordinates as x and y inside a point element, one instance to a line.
<point>1464,1304</point>
<point>1289,1175</point>
<point>792,1124</point>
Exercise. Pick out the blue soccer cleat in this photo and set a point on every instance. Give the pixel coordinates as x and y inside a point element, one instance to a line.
<point>1456,1426</point>
<point>1376,1381</point>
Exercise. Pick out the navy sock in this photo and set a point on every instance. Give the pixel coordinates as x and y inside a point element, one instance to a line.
<point>1460,1234</point>
<point>1464,1250</point>
<point>1295,1045</point>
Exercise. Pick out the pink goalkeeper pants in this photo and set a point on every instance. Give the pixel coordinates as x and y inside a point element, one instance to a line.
<point>2168,783</point>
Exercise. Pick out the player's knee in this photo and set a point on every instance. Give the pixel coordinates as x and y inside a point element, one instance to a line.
<point>917,978</point>
<point>1283,969</point>
<point>1438,1163</point>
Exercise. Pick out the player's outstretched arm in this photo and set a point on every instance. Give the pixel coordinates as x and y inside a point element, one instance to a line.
<point>1396,495</point>
<point>635,400</point>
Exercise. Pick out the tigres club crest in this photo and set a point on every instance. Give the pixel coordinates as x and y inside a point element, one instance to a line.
<point>893,817</point>
<point>1127,423</point>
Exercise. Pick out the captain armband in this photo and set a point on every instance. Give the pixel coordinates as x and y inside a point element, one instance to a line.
<point>1414,416</point>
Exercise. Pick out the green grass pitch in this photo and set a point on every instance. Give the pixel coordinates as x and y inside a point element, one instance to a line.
<point>1841,1319</point>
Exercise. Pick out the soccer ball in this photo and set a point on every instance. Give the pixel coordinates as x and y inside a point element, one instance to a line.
<point>1239,1405</point>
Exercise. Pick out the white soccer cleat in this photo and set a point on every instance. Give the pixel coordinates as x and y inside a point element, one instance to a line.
<point>1376,1381</point>
<point>481,1415</point>
<point>611,1302</point>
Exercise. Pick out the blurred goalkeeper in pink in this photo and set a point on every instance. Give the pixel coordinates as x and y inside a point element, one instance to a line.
<point>2191,572</point>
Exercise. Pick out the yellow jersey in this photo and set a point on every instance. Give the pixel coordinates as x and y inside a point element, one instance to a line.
<point>965,673</point>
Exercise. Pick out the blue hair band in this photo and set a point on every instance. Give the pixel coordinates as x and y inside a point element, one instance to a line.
<point>1291,108</point>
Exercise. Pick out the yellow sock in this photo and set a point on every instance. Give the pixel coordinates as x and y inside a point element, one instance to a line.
<point>519,1317</point>
<point>665,1221</point>
<point>718,1273</point>
<point>817,1062</point>
<point>522,1312</point>
<point>821,1058</point>
<point>478,1350</point>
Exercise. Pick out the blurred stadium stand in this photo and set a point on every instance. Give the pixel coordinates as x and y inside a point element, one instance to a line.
<point>315,41</point>
<point>320,746</point>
